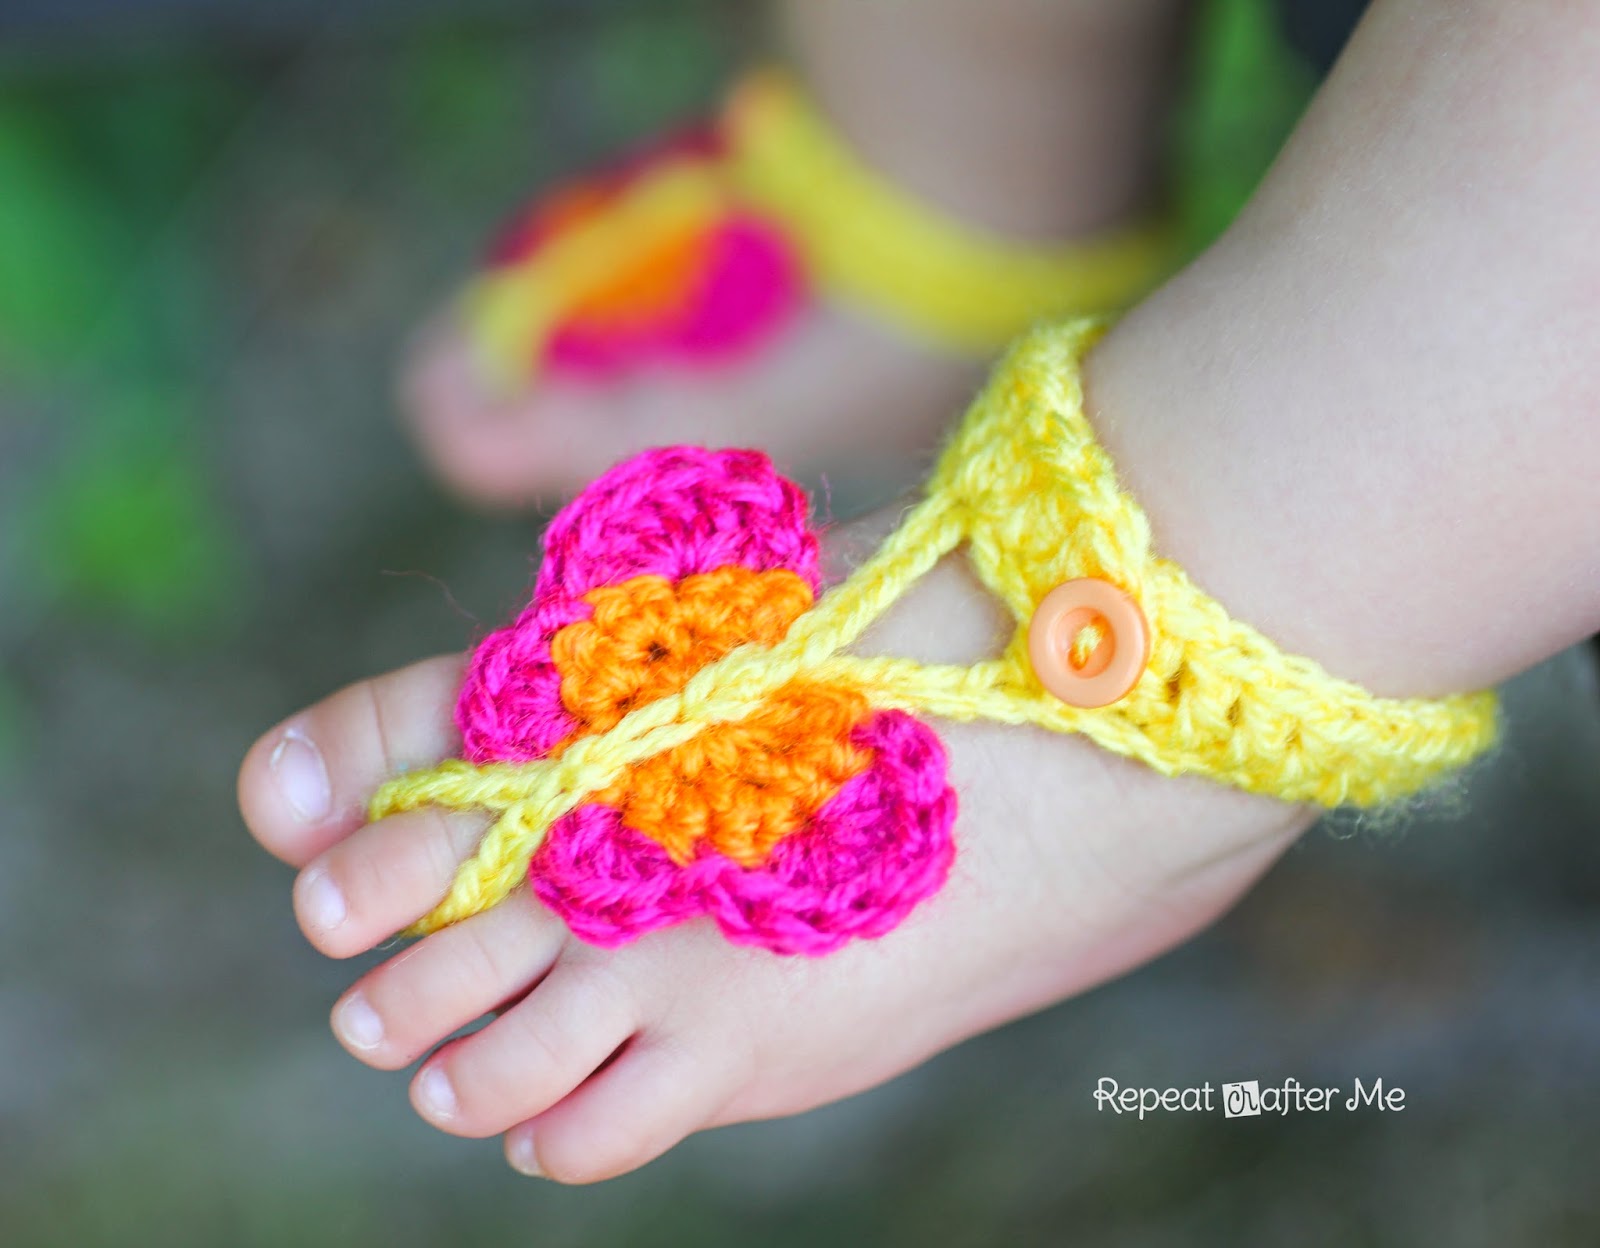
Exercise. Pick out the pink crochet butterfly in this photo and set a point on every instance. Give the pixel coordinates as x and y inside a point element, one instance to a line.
<point>690,274</point>
<point>816,820</point>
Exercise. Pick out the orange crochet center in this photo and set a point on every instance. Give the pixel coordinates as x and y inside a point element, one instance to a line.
<point>647,286</point>
<point>740,787</point>
<point>656,277</point>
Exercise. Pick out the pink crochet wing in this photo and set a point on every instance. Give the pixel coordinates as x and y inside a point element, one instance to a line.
<point>743,283</point>
<point>880,846</point>
<point>671,512</point>
<point>747,287</point>
<point>876,848</point>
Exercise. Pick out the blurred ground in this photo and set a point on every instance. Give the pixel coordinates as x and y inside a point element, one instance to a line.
<point>209,518</point>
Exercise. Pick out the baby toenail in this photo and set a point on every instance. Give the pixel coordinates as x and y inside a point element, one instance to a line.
<point>358,1023</point>
<point>435,1097</point>
<point>321,901</point>
<point>519,1152</point>
<point>302,776</point>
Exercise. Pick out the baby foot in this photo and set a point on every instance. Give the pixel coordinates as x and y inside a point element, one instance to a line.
<point>1073,865</point>
<point>831,388</point>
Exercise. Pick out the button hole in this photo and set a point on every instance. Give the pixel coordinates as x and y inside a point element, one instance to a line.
<point>1086,642</point>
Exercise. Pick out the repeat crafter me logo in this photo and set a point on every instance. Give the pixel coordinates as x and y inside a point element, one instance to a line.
<point>1247,1098</point>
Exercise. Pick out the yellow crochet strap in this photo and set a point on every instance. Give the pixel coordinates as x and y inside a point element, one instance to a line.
<point>872,245</point>
<point>1039,503</point>
<point>1036,501</point>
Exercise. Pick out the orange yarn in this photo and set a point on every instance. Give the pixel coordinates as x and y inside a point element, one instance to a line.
<point>649,285</point>
<point>647,637</point>
<point>744,786</point>
<point>740,786</point>
<point>652,278</point>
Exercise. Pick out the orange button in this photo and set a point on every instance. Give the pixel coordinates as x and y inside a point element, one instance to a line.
<point>1088,642</point>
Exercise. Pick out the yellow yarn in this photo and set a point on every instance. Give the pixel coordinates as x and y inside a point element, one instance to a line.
<point>870,244</point>
<point>1035,500</point>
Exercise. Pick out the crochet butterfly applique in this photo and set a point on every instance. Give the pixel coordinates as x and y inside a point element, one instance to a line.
<point>658,260</point>
<point>814,820</point>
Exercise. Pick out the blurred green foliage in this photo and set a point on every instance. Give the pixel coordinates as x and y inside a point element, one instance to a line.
<point>459,98</point>
<point>1245,93</point>
<point>103,291</point>
<point>97,159</point>
<point>104,302</point>
<point>651,70</point>
<point>463,96</point>
<point>133,530</point>
<point>57,243</point>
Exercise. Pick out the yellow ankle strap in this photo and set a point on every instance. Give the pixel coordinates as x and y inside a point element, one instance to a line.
<point>1036,500</point>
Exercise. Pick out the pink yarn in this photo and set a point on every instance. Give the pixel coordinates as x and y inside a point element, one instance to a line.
<point>672,512</point>
<point>510,706</point>
<point>875,849</point>
<point>751,286</point>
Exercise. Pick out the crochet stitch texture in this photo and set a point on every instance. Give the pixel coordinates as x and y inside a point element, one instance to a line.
<point>768,742</point>
<point>811,819</point>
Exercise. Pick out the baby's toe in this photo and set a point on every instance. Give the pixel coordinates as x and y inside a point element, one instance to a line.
<point>503,447</point>
<point>417,998</point>
<point>656,1093</point>
<point>532,1055</point>
<point>383,877</point>
<point>305,785</point>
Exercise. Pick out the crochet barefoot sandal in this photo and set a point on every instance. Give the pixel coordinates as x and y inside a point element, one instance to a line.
<point>698,251</point>
<point>674,727</point>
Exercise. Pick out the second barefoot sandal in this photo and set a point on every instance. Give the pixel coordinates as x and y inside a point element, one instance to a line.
<point>694,253</point>
<point>674,726</point>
